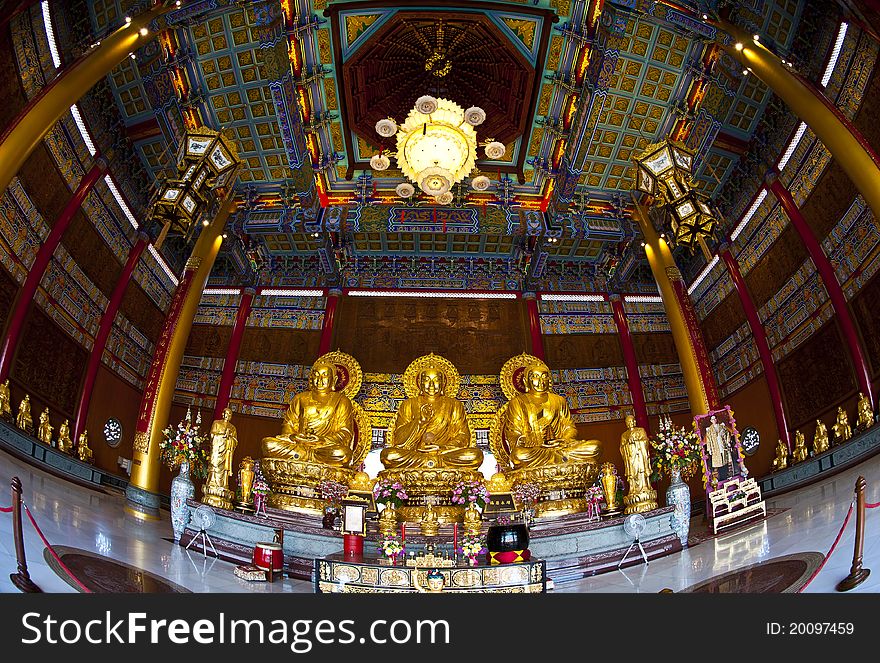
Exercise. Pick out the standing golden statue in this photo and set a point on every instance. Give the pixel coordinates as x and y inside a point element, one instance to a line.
<point>799,453</point>
<point>246,475</point>
<point>65,444</point>
<point>841,428</point>
<point>820,438</point>
<point>865,413</point>
<point>224,439</point>
<point>325,436</point>
<point>82,448</point>
<point>430,447</point>
<point>5,400</point>
<point>780,462</point>
<point>637,467</point>
<point>535,441</point>
<point>44,430</point>
<point>23,418</point>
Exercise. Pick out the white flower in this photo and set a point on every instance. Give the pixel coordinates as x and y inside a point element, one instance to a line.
<point>386,128</point>
<point>405,190</point>
<point>495,150</point>
<point>480,183</point>
<point>426,104</point>
<point>379,162</point>
<point>444,198</point>
<point>474,116</point>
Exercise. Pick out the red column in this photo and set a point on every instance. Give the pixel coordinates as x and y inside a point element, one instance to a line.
<point>633,379</point>
<point>229,364</point>
<point>44,255</point>
<point>760,337</point>
<point>829,279</point>
<point>134,255</point>
<point>534,325</point>
<point>329,318</point>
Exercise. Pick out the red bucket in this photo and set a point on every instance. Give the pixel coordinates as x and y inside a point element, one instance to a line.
<point>269,556</point>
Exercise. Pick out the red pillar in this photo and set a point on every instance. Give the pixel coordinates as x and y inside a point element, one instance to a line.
<point>829,279</point>
<point>760,337</point>
<point>534,325</point>
<point>134,255</point>
<point>44,255</point>
<point>229,364</point>
<point>329,318</point>
<point>633,379</point>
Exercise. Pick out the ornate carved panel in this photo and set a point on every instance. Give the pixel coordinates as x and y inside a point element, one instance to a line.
<point>866,309</point>
<point>280,346</point>
<point>10,83</point>
<point>44,184</point>
<point>655,349</point>
<point>866,119</point>
<point>142,312</point>
<point>829,201</point>
<point>724,319</point>
<point>816,375</point>
<point>49,364</point>
<point>92,254</point>
<point>583,350</point>
<point>208,341</point>
<point>8,290</point>
<point>776,267</point>
<point>386,333</point>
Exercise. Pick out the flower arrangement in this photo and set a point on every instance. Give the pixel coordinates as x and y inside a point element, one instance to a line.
<point>390,545</point>
<point>261,486</point>
<point>472,545</point>
<point>389,492</point>
<point>526,493</point>
<point>675,449</point>
<point>332,492</point>
<point>470,492</point>
<point>184,444</point>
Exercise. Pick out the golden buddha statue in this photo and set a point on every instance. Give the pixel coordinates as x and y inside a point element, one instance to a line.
<point>23,418</point>
<point>637,467</point>
<point>65,444</point>
<point>44,430</point>
<point>534,439</point>
<point>246,475</point>
<point>224,439</point>
<point>780,462</point>
<point>325,436</point>
<point>799,453</point>
<point>83,452</point>
<point>429,525</point>
<point>865,413</point>
<point>820,438</point>
<point>430,447</point>
<point>5,400</point>
<point>841,428</point>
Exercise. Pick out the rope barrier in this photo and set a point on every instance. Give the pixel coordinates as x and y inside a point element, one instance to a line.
<point>5,509</point>
<point>52,551</point>
<point>831,550</point>
<point>872,506</point>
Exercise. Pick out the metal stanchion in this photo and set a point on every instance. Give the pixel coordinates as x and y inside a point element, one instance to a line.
<point>22,579</point>
<point>857,574</point>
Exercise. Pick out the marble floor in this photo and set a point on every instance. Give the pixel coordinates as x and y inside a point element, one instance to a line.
<point>92,521</point>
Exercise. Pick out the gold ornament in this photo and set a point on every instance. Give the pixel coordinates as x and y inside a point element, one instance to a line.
<point>44,430</point>
<point>634,449</point>
<point>841,428</point>
<point>23,418</point>
<point>82,448</point>
<point>820,438</point>
<point>65,444</point>
<point>799,453</point>
<point>865,413</point>
<point>608,479</point>
<point>780,462</point>
<point>5,400</point>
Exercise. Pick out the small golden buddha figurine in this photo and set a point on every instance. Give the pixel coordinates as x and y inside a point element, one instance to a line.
<point>224,439</point>
<point>634,449</point>
<point>780,462</point>
<point>865,413</point>
<point>5,400</point>
<point>431,429</point>
<point>472,520</point>
<point>841,428</point>
<point>319,424</point>
<point>820,439</point>
<point>65,444</point>
<point>799,453</point>
<point>44,430</point>
<point>246,482</point>
<point>83,452</point>
<point>23,418</point>
<point>429,525</point>
<point>539,426</point>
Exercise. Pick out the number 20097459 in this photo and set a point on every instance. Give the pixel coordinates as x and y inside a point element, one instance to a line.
<point>811,628</point>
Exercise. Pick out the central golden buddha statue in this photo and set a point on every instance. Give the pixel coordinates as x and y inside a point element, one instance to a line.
<point>430,446</point>
<point>534,439</point>
<point>324,436</point>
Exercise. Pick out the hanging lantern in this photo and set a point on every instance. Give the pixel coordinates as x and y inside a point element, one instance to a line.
<point>664,169</point>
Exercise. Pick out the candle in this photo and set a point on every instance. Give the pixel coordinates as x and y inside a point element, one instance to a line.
<point>403,532</point>
<point>455,539</point>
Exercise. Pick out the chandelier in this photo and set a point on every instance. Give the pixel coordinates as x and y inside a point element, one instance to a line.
<point>436,148</point>
<point>665,170</point>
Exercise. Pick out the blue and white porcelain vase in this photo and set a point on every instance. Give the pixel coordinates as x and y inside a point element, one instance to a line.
<point>182,489</point>
<point>679,495</point>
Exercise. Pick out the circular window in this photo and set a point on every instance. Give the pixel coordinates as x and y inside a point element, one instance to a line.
<point>113,432</point>
<point>749,441</point>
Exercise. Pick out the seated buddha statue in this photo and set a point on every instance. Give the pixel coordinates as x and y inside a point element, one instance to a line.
<point>841,428</point>
<point>431,429</point>
<point>799,453</point>
<point>865,417</point>
<point>319,424</point>
<point>780,461</point>
<point>539,427</point>
<point>820,439</point>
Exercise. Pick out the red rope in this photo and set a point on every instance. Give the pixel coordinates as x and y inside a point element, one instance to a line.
<point>5,509</point>
<point>53,553</point>
<point>872,506</point>
<point>831,550</point>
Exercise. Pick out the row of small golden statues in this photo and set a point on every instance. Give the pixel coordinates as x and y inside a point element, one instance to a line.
<point>430,448</point>
<point>841,430</point>
<point>25,422</point>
